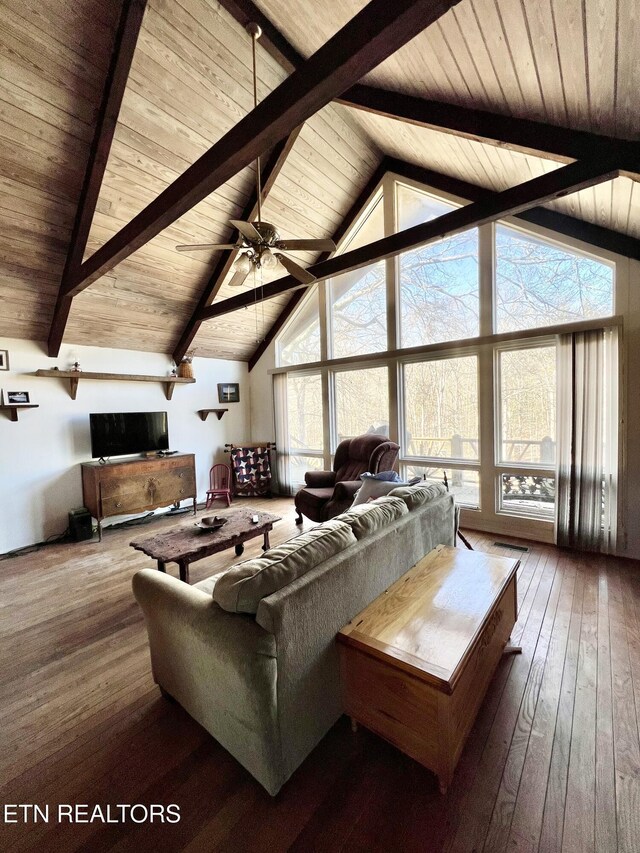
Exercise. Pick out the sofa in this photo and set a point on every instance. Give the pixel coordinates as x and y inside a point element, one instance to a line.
<point>328,493</point>
<point>250,652</point>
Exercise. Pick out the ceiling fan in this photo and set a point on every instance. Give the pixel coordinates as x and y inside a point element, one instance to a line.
<point>259,244</point>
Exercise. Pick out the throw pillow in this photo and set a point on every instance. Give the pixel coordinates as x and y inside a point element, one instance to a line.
<point>369,517</point>
<point>243,586</point>
<point>415,496</point>
<point>378,485</point>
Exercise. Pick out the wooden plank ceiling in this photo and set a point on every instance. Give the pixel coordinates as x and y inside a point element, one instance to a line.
<point>190,82</point>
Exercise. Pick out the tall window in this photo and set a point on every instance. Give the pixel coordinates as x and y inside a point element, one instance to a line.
<point>304,421</point>
<point>361,402</point>
<point>358,299</point>
<point>527,429</point>
<point>439,296</point>
<point>441,408</point>
<point>541,284</point>
<point>481,416</point>
<point>300,343</point>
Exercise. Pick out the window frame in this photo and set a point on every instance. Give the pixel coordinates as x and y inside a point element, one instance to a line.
<point>490,516</point>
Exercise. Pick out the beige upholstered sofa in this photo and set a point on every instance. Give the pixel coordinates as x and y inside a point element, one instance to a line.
<point>264,681</point>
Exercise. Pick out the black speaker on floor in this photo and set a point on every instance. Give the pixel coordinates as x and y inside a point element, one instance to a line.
<point>80,524</point>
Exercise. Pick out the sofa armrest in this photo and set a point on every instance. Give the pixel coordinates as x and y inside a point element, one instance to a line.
<point>221,667</point>
<point>346,489</point>
<point>320,479</point>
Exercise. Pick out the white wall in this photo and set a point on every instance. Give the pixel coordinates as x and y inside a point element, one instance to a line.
<point>40,455</point>
<point>261,390</point>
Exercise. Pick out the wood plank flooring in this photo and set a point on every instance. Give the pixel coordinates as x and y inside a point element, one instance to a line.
<point>552,763</point>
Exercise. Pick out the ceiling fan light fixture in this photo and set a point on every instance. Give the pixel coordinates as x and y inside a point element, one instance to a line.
<point>268,260</point>
<point>242,264</point>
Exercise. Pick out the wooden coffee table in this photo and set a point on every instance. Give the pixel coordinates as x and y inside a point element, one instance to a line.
<point>188,543</point>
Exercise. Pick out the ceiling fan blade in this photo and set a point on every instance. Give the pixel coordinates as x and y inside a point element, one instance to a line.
<point>326,245</point>
<point>197,247</point>
<point>238,279</point>
<point>247,230</point>
<point>295,269</point>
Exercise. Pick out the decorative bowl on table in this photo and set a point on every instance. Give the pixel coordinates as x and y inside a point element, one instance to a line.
<point>211,522</point>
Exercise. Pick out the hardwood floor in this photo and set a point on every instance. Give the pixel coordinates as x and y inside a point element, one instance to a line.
<point>552,763</point>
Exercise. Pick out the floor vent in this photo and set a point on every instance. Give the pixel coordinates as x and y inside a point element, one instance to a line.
<point>513,547</point>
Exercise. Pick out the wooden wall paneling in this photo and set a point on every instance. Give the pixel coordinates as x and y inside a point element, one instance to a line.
<point>115,84</point>
<point>31,104</point>
<point>32,49</point>
<point>519,54</point>
<point>85,29</point>
<point>497,53</point>
<point>601,43</point>
<point>568,19</point>
<point>634,210</point>
<point>62,97</point>
<point>40,204</point>
<point>622,191</point>
<point>543,39</point>
<point>463,31</point>
<point>627,70</point>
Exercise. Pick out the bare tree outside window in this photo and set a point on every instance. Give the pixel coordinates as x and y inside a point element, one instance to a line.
<point>362,402</point>
<point>441,408</point>
<point>541,284</point>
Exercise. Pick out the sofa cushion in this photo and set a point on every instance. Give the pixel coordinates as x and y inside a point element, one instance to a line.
<point>241,588</point>
<point>366,518</point>
<point>415,496</point>
<point>208,584</point>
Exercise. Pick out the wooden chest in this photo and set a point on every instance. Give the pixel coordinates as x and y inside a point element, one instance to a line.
<point>136,485</point>
<point>416,663</point>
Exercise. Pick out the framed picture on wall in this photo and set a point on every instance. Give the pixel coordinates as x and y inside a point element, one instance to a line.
<point>228,392</point>
<point>16,398</point>
<point>4,359</point>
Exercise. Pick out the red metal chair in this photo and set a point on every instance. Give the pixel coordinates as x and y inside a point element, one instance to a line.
<point>220,484</point>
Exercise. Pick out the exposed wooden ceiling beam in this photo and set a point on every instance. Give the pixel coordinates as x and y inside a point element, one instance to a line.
<point>348,220</point>
<point>594,235</point>
<point>378,30</point>
<point>268,176</point>
<point>272,40</point>
<point>529,137</point>
<point>563,181</point>
<point>115,84</point>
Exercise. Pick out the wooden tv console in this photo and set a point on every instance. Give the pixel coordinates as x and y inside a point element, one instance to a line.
<point>136,485</point>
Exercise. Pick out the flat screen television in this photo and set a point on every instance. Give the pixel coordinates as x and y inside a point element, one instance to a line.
<point>122,433</point>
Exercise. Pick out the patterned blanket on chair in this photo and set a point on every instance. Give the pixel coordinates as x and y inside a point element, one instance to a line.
<point>251,468</point>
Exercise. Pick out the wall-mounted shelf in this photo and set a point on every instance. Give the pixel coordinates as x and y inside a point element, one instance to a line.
<point>74,377</point>
<point>205,412</point>
<point>12,411</point>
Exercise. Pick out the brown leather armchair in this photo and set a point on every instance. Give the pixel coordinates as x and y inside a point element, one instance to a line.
<point>328,493</point>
